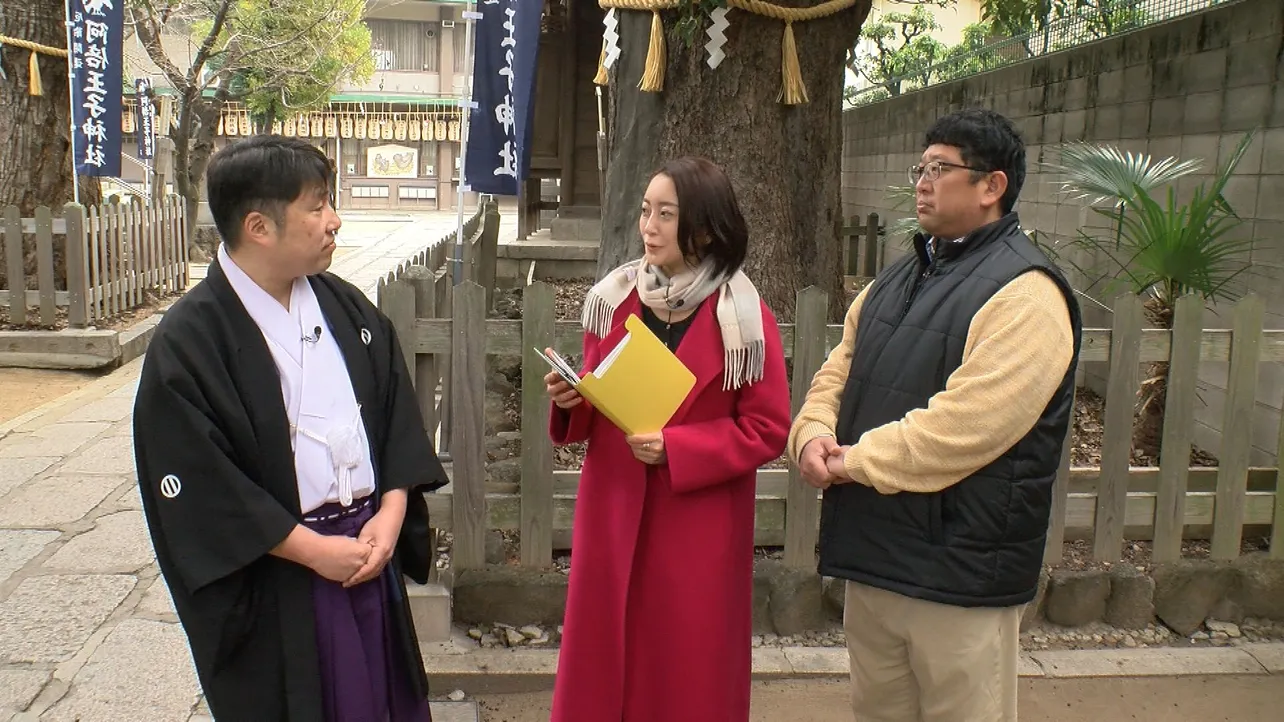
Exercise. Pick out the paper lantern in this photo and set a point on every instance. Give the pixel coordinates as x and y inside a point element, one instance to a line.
<point>345,127</point>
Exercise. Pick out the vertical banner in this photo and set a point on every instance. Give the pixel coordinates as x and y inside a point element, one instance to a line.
<point>97,74</point>
<point>146,119</point>
<point>499,128</point>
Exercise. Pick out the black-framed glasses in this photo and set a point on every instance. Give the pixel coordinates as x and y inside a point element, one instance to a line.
<point>931,170</point>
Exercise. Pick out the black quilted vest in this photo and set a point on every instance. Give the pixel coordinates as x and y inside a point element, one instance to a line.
<point>979,542</point>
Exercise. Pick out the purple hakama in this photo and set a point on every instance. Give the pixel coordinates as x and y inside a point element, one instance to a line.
<point>363,674</point>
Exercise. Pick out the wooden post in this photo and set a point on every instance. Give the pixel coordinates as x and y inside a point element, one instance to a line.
<point>94,250</point>
<point>77,269</point>
<point>397,301</point>
<point>853,239</point>
<point>1237,428</point>
<point>446,309</point>
<point>537,449</point>
<point>1179,427</point>
<point>1277,521</point>
<point>129,254</point>
<point>468,429</point>
<point>1052,548</point>
<point>14,256</point>
<point>871,245</point>
<point>802,506</point>
<point>1121,397</point>
<point>45,267</point>
<point>111,258</point>
<point>425,369</point>
<point>489,252</point>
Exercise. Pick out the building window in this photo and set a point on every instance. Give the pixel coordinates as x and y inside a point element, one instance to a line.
<point>369,191</point>
<point>405,45</point>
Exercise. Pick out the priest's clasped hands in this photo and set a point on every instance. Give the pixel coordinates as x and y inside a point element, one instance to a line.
<point>352,561</point>
<point>822,462</point>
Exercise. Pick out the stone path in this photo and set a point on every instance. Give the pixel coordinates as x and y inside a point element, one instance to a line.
<point>380,242</point>
<point>87,630</point>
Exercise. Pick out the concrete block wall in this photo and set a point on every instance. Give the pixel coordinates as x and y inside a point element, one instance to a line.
<point>1188,88</point>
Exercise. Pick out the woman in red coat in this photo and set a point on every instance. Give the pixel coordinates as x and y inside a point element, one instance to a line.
<point>658,616</point>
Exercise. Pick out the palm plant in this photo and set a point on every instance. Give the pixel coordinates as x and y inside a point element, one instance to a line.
<point>1159,248</point>
<point>902,228</point>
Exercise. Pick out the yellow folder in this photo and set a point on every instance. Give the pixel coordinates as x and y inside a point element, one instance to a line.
<point>639,385</point>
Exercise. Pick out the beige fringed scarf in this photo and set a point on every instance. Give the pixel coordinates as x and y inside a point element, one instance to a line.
<point>739,312</point>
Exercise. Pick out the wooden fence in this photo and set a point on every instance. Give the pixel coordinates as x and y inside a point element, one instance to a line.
<point>114,254</point>
<point>1107,504</point>
<point>421,287</point>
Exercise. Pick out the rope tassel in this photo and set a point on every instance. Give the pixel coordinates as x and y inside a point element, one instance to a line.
<point>653,74</point>
<point>33,63</point>
<point>792,89</point>
<point>33,70</point>
<point>601,77</point>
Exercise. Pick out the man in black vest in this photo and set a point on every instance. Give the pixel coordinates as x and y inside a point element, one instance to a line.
<point>935,429</point>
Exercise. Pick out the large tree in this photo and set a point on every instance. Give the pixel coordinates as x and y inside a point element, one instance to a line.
<point>784,159</point>
<point>281,55</point>
<point>35,156</point>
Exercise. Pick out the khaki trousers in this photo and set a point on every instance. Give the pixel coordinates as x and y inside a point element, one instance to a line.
<point>919,661</point>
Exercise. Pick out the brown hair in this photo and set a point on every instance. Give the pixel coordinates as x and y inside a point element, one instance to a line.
<point>707,209</point>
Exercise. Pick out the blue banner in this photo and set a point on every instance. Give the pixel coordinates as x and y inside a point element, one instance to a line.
<point>146,119</point>
<point>97,82</point>
<point>499,127</point>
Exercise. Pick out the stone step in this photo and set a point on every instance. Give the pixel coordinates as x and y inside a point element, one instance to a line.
<point>542,246</point>
<point>576,229</point>
<point>453,711</point>
<point>430,609</point>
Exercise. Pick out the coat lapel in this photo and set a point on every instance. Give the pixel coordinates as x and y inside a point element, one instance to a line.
<point>701,352</point>
<point>260,393</point>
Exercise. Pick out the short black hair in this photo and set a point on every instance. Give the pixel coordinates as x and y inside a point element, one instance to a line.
<point>263,173</point>
<point>707,207</point>
<point>986,140</point>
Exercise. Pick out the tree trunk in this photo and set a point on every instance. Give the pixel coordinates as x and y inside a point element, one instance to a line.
<point>784,161</point>
<point>193,148</point>
<point>1148,421</point>
<point>35,159</point>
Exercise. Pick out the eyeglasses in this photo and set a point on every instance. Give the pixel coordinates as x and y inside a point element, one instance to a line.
<point>932,170</point>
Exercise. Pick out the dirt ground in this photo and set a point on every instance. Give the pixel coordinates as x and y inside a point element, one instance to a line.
<point>1166,699</point>
<point>22,390</point>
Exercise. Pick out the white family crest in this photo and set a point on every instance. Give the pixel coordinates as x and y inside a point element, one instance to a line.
<point>365,336</point>
<point>170,486</point>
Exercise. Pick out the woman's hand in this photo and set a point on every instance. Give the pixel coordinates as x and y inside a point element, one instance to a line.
<point>648,448</point>
<point>559,391</point>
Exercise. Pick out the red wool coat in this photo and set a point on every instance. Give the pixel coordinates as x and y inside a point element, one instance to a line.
<point>659,611</point>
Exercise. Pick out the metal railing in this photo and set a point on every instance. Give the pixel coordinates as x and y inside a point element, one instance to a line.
<point>1111,17</point>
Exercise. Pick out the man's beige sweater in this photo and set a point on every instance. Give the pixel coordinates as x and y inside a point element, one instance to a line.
<point>1018,347</point>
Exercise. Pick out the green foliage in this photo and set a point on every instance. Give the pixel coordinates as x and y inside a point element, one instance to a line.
<point>905,228</point>
<point>974,55</point>
<point>692,17</point>
<point>904,48</point>
<point>1160,248</point>
<point>289,55</point>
